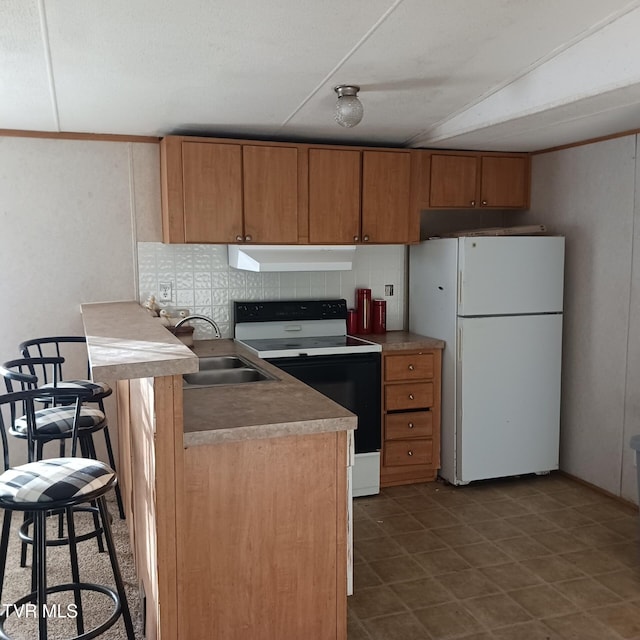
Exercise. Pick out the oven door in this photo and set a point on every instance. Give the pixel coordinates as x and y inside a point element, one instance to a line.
<point>351,380</point>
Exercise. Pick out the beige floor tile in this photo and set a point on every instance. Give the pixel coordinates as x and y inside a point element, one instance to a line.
<point>420,541</point>
<point>450,620</point>
<point>483,554</point>
<point>397,569</point>
<point>567,518</point>
<point>628,527</point>
<point>366,528</point>
<point>580,626</point>
<point>496,529</point>
<point>513,575</point>
<point>454,499</point>
<point>374,601</point>
<point>508,508</point>
<point>355,630</point>
<point>436,517</point>
<point>532,523</point>
<point>588,593</point>
<point>553,569</point>
<point>421,593</point>
<point>400,626</point>
<point>377,548</point>
<point>458,535</point>
<point>401,491</point>
<point>559,541</point>
<point>364,576</point>
<point>623,618</point>
<point>478,636</point>
<point>625,583</point>
<point>473,513</point>
<point>416,502</point>
<point>533,630</point>
<point>592,561</point>
<point>379,507</point>
<point>540,503</point>
<point>628,553</point>
<point>596,535</point>
<point>577,496</point>
<point>438,562</point>
<point>606,510</point>
<point>497,610</point>
<point>522,548</point>
<point>467,584</point>
<point>489,492</point>
<point>403,523</point>
<point>555,483</point>
<point>543,601</point>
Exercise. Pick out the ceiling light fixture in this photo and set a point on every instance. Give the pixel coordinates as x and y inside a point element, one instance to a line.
<point>349,110</point>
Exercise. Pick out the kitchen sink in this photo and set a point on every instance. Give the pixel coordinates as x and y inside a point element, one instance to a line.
<point>215,370</point>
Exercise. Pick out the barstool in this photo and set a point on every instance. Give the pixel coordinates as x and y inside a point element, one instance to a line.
<point>53,346</point>
<point>50,485</point>
<point>56,422</point>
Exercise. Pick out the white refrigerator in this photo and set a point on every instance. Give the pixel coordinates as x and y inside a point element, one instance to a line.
<point>497,304</point>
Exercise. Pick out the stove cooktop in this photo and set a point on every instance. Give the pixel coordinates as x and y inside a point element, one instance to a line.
<point>313,345</point>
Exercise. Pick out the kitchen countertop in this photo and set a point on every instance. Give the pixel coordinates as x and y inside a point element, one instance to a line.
<point>269,408</point>
<point>399,340</point>
<point>125,342</point>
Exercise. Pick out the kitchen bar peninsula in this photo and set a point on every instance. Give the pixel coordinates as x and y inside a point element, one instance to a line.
<point>236,495</point>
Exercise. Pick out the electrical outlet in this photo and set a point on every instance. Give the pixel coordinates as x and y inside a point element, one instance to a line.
<point>166,291</point>
<point>388,290</point>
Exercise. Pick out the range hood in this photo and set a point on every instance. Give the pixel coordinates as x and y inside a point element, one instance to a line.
<point>288,257</point>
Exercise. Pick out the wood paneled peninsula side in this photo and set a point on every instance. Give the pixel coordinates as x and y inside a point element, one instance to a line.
<point>236,495</point>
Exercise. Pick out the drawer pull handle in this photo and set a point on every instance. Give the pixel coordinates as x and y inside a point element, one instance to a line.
<point>409,453</point>
<point>410,425</point>
<point>411,396</point>
<point>411,367</point>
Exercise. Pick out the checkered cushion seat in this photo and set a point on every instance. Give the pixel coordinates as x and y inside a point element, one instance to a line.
<point>54,480</point>
<point>98,388</point>
<point>58,421</point>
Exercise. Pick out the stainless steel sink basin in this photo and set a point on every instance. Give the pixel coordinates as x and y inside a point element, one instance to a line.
<point>208,363</point>
<point>215,370</point>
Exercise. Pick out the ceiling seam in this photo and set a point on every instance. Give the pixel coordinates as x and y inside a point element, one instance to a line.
<point>587,33</point>
<point>344,59</point>
<point>49,65</point>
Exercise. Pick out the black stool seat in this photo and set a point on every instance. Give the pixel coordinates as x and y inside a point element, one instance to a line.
<point>57,422</point>
<point>99,389</point>
<point>63,481</point>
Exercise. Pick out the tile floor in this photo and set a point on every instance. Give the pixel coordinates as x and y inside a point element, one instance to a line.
<point>536,558</point>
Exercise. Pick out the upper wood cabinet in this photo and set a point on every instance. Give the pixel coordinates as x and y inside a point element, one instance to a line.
<point>226,192</point>
<point>362,196</point>
<point>469,180</point>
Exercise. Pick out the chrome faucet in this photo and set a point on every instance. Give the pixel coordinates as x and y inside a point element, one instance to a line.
<point>199,317</point>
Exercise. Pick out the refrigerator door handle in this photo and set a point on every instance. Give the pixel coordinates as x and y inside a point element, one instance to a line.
<point>459,290</point>
<point>459,345</point>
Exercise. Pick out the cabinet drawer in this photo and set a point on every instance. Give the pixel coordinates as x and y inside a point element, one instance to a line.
<point>410,395</point>
<point>415,424</point>
<point>408,452</point>
<point>417,366</point>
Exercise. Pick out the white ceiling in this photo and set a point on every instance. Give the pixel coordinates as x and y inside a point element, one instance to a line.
<point>516,75</point>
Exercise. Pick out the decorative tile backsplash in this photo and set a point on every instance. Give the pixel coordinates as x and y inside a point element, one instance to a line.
<point>203,282</point>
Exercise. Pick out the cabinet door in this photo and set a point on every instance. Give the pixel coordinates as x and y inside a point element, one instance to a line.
<point>212,179</point>
<point>334,196</point>
<point>386,184</point>
<point>270,194</point>
<point>453,181</point>
<point>505,182</point>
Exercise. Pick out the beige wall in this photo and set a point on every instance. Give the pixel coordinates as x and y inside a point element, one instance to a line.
<point>68,231</point>
<point>589,194</point>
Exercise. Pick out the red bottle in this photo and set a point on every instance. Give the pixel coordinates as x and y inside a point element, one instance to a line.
<point>363,305</point>
<point>352,321</point>
<point>379,316</point>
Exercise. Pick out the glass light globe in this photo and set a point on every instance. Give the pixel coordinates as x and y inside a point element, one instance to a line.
<point>349,110</point>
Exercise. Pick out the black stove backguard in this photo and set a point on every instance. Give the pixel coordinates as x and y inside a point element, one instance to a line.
<point>288,310</point>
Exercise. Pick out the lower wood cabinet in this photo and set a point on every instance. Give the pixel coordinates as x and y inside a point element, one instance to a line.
<point>411,416</point>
